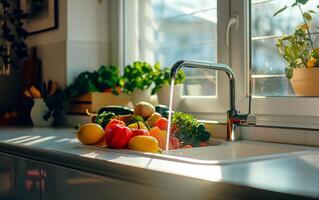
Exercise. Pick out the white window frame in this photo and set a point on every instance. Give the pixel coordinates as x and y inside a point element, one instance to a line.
<point>192,104</point>
<point>237,55</point>
<point>301,110</point>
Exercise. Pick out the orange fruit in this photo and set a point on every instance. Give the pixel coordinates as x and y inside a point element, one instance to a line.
<point>160,135</point>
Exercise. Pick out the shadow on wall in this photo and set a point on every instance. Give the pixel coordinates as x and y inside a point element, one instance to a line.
<point>12,86</point>
<point>10,89</point>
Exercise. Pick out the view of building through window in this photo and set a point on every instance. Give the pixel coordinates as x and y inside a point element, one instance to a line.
<point>267,66</point>
<point>170,30</point>
<point>181,29</point>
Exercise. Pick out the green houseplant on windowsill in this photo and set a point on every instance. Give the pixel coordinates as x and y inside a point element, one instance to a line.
<point>93,90</point>
<point>301,54</point>
<point>162,87</point>
<point>138,79</point>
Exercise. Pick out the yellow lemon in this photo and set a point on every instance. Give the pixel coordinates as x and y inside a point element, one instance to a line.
<point>143,143</point>
<point>90,133</point>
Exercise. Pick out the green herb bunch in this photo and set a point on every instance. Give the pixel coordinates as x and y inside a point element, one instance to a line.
<point>139,75</point>
<point>298,49</point>
<point>188,130</point>
<point>162,76</point>
<point>104,118</point>
<point>106,77</point>
<point>109,78</point>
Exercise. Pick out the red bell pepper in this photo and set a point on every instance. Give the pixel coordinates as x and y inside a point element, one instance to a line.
<point>111,123</point>
<point>118,136</point>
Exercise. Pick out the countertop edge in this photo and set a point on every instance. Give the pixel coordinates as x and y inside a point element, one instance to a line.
<point>134,174</point>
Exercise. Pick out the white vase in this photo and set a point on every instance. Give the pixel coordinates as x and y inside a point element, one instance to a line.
<point>163,95</point>
<point>139,95</point>
<point>38,110</point>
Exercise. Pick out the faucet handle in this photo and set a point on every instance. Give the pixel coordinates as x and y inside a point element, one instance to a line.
<point>245,119</point>
<point>251,120</point>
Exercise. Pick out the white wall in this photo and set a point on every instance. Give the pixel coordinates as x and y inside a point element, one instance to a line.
<point>80,43</point>
<point>51,48</point>
<point>87,38</point>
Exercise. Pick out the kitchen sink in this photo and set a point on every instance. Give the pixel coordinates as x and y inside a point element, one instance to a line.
<point>229,151</point>
<point>223,153</point>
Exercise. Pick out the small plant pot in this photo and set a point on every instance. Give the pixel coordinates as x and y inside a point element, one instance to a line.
<point>94,101</point>
<point>102,99</point>
<point>163,95</point>
<point>305,82</point>
<point>139,95</point>
<point>37,112</point>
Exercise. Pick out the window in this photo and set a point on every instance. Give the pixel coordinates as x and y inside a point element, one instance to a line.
<point>171,30</point>
<point>267,66</point>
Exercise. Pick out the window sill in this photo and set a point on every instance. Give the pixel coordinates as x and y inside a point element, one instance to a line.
<point>276,121</point>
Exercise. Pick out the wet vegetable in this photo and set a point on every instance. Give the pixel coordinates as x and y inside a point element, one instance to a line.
<point>104,118</point>
<point>188,130</point>
<point>117,110</point>
<point>118,136</point>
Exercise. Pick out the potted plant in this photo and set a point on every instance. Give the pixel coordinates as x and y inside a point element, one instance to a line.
<point>93,90</point>
<point>138,79</point>
<point>301,54</point>
<point>162,80</point>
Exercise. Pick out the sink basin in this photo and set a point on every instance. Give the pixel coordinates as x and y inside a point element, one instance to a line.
<point>234,150</point>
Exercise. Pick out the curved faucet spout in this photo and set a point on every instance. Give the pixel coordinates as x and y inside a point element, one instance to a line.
<point>233,117</point>
<point>214,66</point>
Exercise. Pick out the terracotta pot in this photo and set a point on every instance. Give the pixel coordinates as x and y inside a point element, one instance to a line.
<point>163,95</point>
<point>139,95</point>
<point>305,81</point>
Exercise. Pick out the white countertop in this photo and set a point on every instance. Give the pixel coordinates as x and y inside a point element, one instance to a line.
<point>292,174</point>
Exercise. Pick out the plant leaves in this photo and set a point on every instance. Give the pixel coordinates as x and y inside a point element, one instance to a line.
<point>312,11</point>
<point>281,10</point>
<point>303,2</point>
<point>307,16</point>
<point>289,72</point>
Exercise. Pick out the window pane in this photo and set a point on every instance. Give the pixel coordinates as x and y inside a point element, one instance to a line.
<point>268,67</point>
<point>171,30</point>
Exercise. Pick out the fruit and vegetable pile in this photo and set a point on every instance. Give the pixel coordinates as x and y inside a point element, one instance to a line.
<point>145,129</point>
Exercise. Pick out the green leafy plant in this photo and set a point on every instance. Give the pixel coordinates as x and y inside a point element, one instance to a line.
<point>139,75</point>
<point>162,76</point>
<point>104,118</point>
<point>298,49</point>
<point>105,78</point>
<point>109,79</point>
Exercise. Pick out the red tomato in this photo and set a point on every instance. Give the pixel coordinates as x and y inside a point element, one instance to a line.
<point>136,132</point>
<point>174,143</point>
<point>187,146</point>
<point>174,129</point>
<point>203,144</point>
<point>162,123</point>
<point>112,122</point>
<point>118,136</point>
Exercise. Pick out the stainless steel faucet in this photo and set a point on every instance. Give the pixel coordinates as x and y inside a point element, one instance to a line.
<point>234,118</point>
